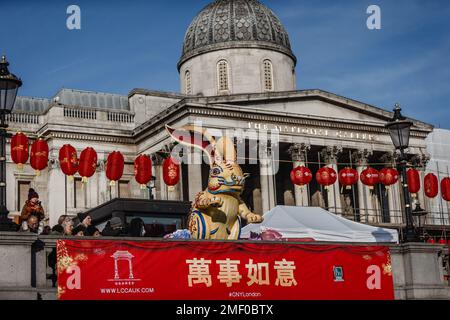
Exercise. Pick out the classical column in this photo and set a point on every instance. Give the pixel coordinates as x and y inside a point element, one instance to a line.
<point>298,153</point>
<point>330,155</point>
<point>160,189</point>
<point>394,192</point>
<point>420,161</point>
<point>266,178</point>
<point>365,197</point>
<point>102,183</point>
<point>56,192</point>
<point>195,173</point>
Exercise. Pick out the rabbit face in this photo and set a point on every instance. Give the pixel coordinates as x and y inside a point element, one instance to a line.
<point>226,177</point>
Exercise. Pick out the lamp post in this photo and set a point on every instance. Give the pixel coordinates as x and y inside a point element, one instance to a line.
<point>399,128</point>
<point>9,85</point>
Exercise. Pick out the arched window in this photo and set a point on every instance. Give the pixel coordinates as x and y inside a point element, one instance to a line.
<point>222,71</point>
<point>268,75</point>
<point>188,83</point>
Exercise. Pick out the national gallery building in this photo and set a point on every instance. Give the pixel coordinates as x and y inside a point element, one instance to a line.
<point>237,72</point>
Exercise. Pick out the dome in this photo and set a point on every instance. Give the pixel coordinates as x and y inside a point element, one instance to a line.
<point>226,24</point>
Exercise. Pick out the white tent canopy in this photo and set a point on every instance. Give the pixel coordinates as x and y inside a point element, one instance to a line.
<point>318,224</point>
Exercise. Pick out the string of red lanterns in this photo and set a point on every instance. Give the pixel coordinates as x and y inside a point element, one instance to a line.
<point>300,176</point>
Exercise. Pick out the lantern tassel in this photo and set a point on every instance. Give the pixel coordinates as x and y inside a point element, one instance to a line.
<point>171,188</point>
<point>19,166</point>
<point>84,179</point>
<point>37,172</point>
<point>70,178</point>
<point>143,186</point>
<point>112,183</point>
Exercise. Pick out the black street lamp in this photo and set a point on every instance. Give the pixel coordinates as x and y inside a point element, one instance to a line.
<point>399,128</point>
<point>9,85</point>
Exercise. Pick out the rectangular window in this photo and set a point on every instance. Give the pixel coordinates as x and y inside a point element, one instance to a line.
<point>79,197</point>
<point>23,187</point>
<point>124,189</point>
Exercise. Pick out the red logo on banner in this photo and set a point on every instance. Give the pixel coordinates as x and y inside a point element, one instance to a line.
<point>191,270</point>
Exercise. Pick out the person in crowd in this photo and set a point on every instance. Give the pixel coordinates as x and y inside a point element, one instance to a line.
<point>58,228</point>
<point>62,218</point>
<point>47,230</point>
<point>92,231</point>
<point>137,228</point>
<point>79,231</point>
<point>31,224</point>
<point>85,219</point>
<point>32,206</point>
<point>113,228</point>
<point>64,228</point>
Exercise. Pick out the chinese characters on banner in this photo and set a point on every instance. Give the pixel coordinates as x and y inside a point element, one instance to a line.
<point>190,270</point>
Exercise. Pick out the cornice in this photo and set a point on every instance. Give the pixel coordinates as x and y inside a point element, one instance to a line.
<point>308,94</point>
<point>178,111</point>
<point>237,45</point>
<point>88,137</point>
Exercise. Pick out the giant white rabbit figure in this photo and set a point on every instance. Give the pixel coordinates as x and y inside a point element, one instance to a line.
<point>217,211</point>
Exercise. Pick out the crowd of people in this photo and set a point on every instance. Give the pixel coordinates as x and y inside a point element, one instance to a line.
<point>32,220</point>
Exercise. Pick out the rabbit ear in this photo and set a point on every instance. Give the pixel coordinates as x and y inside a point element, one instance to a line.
<point>225,150</point>
<point>194,136</point>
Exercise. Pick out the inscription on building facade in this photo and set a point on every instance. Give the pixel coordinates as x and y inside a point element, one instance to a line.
<point>312,131</point>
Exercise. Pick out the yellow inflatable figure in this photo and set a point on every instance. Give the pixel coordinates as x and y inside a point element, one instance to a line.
<point>216,212</point>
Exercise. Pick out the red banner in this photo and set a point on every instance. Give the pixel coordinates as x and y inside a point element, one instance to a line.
<point>191,270</point>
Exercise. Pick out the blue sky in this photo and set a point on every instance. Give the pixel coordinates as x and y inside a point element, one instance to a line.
<point>137,44</point>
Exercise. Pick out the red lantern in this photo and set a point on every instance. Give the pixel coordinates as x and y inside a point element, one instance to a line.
<point>143,170</point>
<point>19,149</point>
<point>388,177</point>
<point>326,176</point>
<point>431,241</point>
<point>171,172</point>
<point>445,189</point>
<point>68,160</point>
<point>88,164</point>
<point>301,176</point>
<point>348,177</point>
<point>413,179</point>
<point>114,167</point>
<point>39,155</point>
<point>442,241</point>
<point>431,185</point>
<point>370,177</point>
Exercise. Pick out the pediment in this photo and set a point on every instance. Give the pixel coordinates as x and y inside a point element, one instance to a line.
<point>316,104</point>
